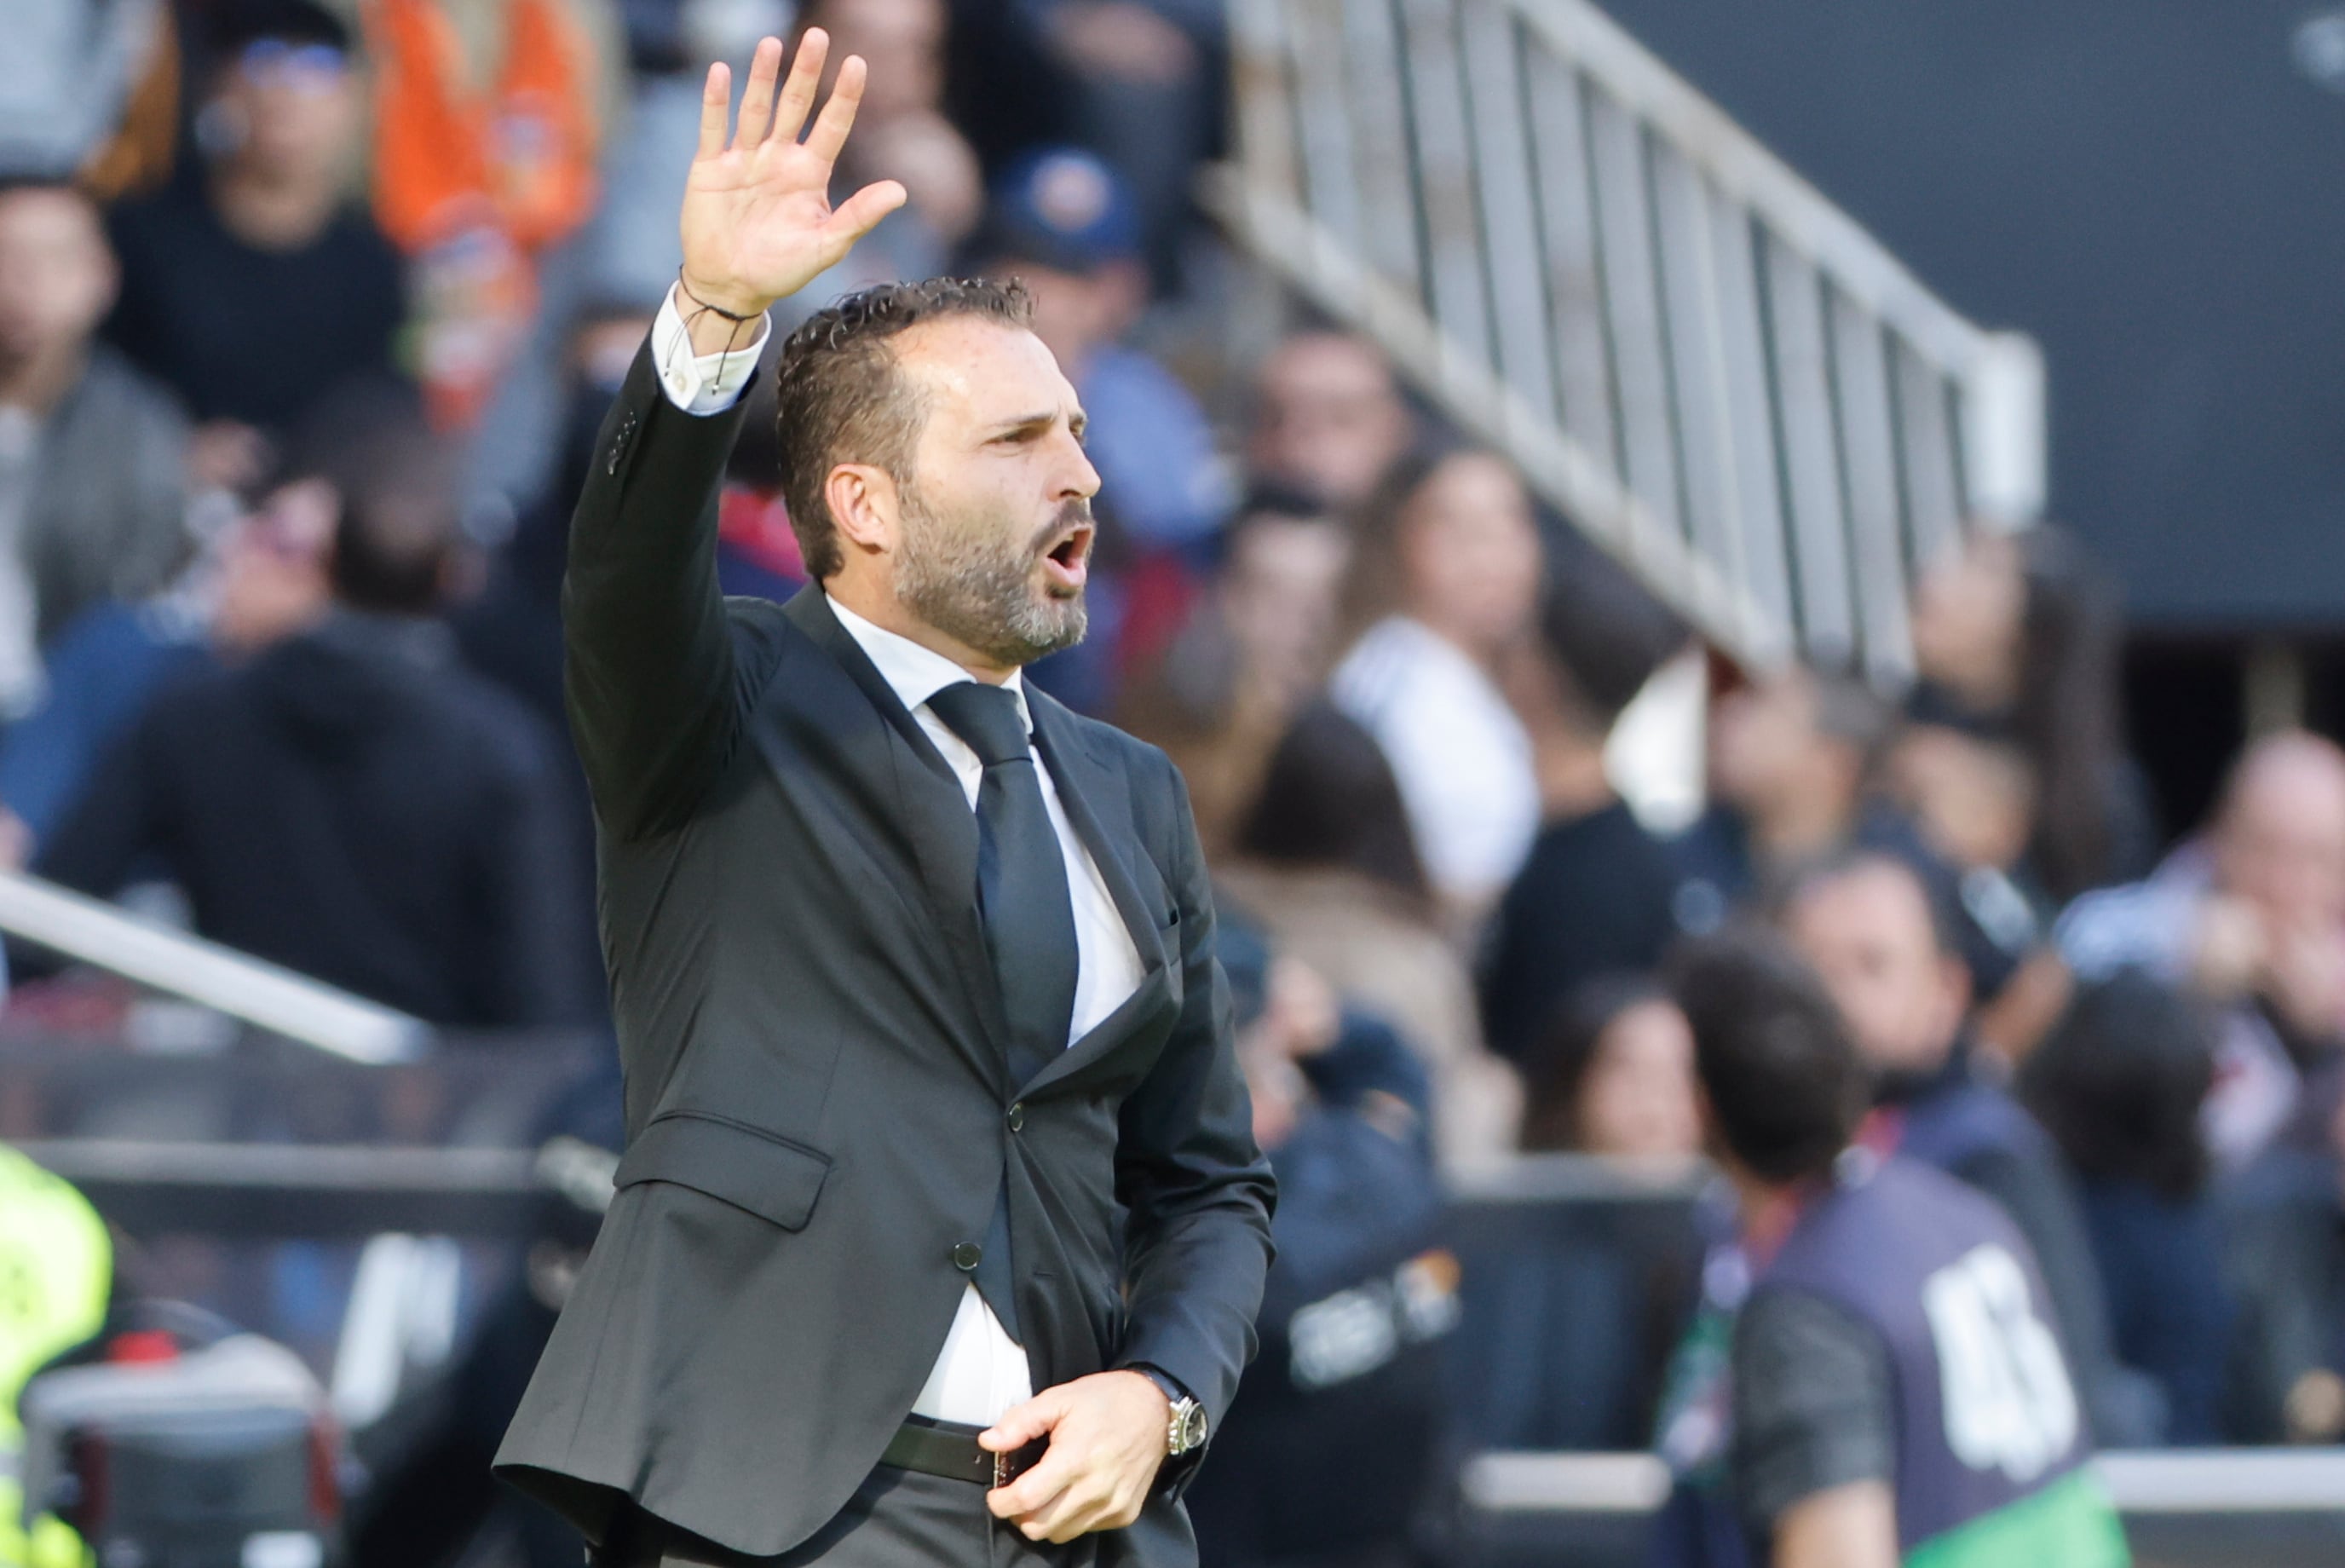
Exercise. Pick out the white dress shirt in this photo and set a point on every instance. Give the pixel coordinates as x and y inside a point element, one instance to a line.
<point>981,1371</point>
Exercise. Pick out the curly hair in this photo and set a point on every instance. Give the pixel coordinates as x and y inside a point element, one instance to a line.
<point>839,398</point>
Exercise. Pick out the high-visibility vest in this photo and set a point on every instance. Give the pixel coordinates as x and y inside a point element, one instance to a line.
<point>57,1272</point>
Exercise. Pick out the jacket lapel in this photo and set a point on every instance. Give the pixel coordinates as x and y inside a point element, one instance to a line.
<point>1095,802</point>
<point>936,818</point>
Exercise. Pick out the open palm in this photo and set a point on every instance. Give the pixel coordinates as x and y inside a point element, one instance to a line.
<point>758,220</point>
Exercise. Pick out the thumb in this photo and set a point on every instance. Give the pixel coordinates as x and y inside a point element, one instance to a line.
<point>1021,1424</point>
<point>861,212</point>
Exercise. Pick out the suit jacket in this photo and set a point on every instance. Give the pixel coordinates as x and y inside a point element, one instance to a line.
<point>818,1105</point>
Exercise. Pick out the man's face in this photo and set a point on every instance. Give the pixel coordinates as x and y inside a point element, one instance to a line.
<point>297,107</point>
<point>56,274</point>
<point>2281,845</point>
<point>1760,735</point>
<point>1869,934</point>
<point>994,526</point>
<point>1330,419</point>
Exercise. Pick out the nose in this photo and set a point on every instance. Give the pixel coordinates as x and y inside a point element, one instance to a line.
<point>1077,478</point>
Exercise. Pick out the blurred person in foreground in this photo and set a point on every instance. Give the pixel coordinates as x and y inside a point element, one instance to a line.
<point>2120,1085</point>
<point>1332,1441</point>
<point>926,1049</point>
<point>93,455</point>
<point>1612,1075</point>
<point>252,285</point>
<point>2249,918</point>
<point>1883,944</point>
<point>1251,651</point>
<point>1597,893</point>
<point>1329,421</point>
<point>352,803</point>
<point>1899,1394</point>
<point>1325,861</point>
<point>1444,588</point>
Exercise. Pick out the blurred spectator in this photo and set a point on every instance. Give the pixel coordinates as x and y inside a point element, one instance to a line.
<point>1329,420</point>
<point>1326,861</point>
<point>1896,1396</point>
<point>1254,649</point>
<point>2284,1224</point>
<point>1328,1449</point>
<point>488,118</point>
<point>259,579</point>
<point>2017,635</point>
<point>1886,951</point>
<point>2120,1086</point>
<point>1595,894</point>
<point>901,134</point>
<point>1790,762</point>
<point>81,82</point>
<point>352,804</point>
<point>1612,1075</point>
<point>2250,917</point>
<point>250,285</point>
<point>93,489</point>
<point>1443,588</point>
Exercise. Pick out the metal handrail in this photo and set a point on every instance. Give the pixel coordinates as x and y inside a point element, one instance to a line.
<point>259,994</point>
<point>1716,373</point>
<point>2164,1482</point>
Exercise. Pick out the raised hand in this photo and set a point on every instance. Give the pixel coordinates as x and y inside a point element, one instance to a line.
<point>758,222</point>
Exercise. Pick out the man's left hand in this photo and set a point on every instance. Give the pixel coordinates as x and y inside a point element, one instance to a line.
<point>1108,1437</point>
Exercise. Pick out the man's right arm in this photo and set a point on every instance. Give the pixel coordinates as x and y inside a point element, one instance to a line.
<point>653,687</point>
<point>1815,1434</point>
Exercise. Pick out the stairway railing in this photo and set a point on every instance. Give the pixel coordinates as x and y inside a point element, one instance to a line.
<point>1713,372</point>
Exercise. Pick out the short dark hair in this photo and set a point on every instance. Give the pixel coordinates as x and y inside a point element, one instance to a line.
<point>2120,1083</point>
<point>1328,798</point>
<point>1935,885</point>
<point>1556,1072</point>
<point>1785,1085</point>
<point>838,397</point>
<point>395,481</point>
<point>245,22</point>
<point>1606,635</point>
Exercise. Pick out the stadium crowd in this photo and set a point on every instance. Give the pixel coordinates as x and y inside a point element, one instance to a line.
<point>307,315</point>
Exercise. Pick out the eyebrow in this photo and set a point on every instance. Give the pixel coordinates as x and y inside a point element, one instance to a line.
<point>1078,421</point>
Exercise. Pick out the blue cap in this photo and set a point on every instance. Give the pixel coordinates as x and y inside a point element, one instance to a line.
<point>1063,209</point>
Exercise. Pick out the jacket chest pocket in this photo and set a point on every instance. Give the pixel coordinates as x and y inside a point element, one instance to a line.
<point>754,1171</point>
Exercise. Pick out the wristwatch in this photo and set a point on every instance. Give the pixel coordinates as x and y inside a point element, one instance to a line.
<point>1186,1432</point>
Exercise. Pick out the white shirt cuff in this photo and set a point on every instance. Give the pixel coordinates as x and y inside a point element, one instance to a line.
<point>702,384</point>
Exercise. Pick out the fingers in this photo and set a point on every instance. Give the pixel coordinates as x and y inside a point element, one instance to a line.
<point>797,92</point>
<point>1019,1424</point>
<point>1039,1488</point>
<point>757,98</point>
<point>716,108</point>
<point>859,214</point>
<point>830,126</point>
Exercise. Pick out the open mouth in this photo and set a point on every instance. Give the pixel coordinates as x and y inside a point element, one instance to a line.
<point>1067,562</point>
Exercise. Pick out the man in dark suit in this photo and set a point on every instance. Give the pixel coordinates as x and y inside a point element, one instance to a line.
<point>930,1097</point>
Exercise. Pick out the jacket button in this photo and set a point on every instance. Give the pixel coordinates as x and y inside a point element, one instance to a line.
<point>1017,1117</point>
<point>965,1256</point>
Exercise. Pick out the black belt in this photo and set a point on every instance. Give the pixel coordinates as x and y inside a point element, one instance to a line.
<point>952,1450</point>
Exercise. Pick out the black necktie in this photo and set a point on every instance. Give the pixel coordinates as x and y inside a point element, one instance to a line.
<point>1028,919</point>
<point>1021,876</point>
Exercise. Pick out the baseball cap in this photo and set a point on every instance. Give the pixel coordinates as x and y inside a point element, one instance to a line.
<point>1059,208</point>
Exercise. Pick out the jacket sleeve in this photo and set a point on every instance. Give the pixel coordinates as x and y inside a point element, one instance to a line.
<point>651,676</point>
<point>1198,1191</point>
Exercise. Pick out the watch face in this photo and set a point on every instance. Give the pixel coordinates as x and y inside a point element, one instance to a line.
<point>1193,1426</point>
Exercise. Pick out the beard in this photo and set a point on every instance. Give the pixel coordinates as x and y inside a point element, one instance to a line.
<point>973,582</point>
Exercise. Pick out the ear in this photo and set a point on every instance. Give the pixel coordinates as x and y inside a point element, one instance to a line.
<point>865,507</point>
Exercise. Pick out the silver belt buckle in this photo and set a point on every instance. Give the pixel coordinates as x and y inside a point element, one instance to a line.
<point>1001,1470</point>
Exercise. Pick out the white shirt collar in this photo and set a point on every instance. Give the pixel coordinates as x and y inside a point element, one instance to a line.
<point>913,672</point>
